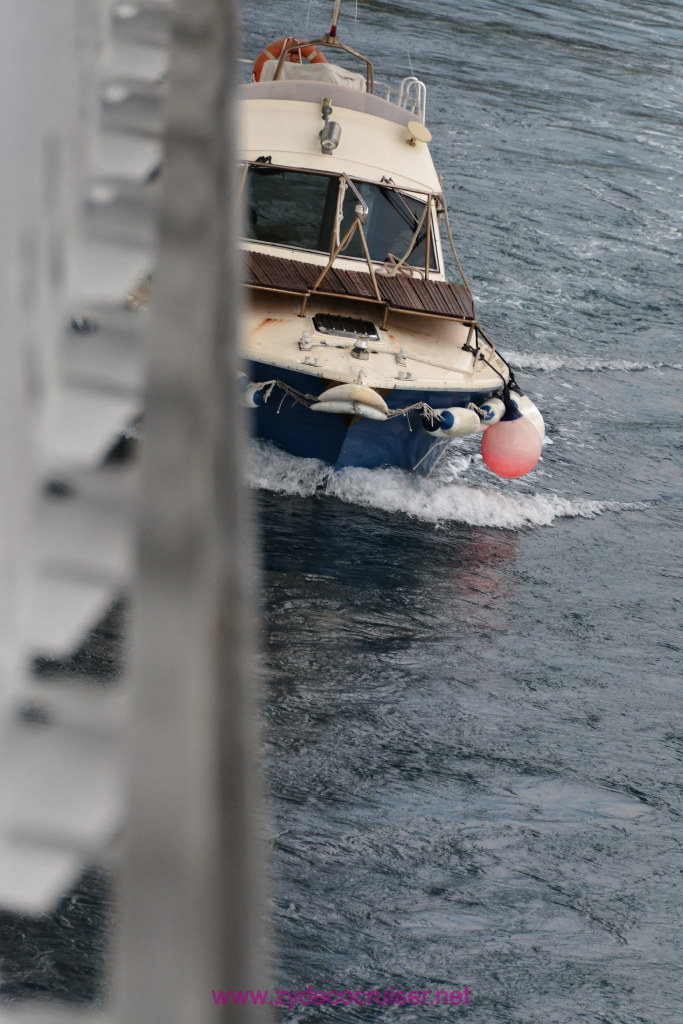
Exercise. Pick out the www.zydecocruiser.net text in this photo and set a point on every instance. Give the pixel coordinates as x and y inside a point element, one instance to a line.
<point>344,997</point>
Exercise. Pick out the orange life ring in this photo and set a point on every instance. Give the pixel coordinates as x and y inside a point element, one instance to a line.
<point>307,54</point>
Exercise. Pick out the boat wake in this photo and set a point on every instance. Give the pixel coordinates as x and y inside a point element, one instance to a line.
<point>444,497</point>
<point>546,362</point>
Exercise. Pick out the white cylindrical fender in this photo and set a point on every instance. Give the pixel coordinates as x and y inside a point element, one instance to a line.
<point>456,422</point>
<point>251,395</point>
<point>530,411</point>
<point>490,411</point>
<point>357,394</point>
<point>347,408</point>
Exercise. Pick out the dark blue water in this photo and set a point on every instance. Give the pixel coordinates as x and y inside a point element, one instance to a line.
<point>473,691</point>
<point>474,688</point>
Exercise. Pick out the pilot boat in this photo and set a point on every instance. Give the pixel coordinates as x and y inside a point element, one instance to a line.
<point>358,351</point>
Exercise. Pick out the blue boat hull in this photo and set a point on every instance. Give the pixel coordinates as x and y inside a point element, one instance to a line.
<point>342,441</point>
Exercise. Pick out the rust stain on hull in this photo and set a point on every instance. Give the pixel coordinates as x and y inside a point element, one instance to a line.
<point>269,320</point>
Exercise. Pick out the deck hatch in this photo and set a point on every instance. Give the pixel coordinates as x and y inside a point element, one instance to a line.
<point>345,326</point>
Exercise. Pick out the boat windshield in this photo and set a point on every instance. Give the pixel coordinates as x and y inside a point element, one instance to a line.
<point>298,209</point>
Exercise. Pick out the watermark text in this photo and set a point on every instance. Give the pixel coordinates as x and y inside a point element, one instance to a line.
<point>344,997</point>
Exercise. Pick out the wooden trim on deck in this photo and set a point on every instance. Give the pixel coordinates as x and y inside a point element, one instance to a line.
<point>443,299</point>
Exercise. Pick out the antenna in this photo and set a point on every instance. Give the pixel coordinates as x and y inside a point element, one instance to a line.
<point>335,18</point>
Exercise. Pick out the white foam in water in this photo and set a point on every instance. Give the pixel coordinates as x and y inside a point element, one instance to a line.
<point>441,498</point>
<point>544,361</point>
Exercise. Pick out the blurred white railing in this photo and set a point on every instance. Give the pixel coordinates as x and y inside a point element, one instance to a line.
<point>82,86</point>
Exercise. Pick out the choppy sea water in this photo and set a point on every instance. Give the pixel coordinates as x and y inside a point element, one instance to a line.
<point>474,685</point>
<point>472,706</point>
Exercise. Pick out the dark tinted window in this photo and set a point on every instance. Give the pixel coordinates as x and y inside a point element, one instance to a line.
<point>298,209</point>
<point>392,220</point>
<point>291,207</point>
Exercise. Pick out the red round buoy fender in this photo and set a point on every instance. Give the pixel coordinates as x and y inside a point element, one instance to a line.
<point>511,447</point>
<point>305,54</point>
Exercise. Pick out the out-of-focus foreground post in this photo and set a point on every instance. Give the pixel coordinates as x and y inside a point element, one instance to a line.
<point>82,116</point>
<point>191,880</point>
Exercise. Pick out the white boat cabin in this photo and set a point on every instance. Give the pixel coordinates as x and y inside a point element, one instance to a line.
<point>318,149</point>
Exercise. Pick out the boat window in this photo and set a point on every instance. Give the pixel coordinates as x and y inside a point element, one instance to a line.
<point>293,208</point>
<point>298,209</point>
<point>392,220</point>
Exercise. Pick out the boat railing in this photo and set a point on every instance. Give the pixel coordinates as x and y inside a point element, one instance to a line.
<point>333,42</point>
<point>411,95</point>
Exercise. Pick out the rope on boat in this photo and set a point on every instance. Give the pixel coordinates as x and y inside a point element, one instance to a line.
<point>395,266</point>
<point>450,239</point>
<point>346,345</point>
<point>511,378</point>
<point>269,386</point>
<point>478,354</point>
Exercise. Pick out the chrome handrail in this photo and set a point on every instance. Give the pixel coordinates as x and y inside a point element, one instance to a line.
<point>413,91</point>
